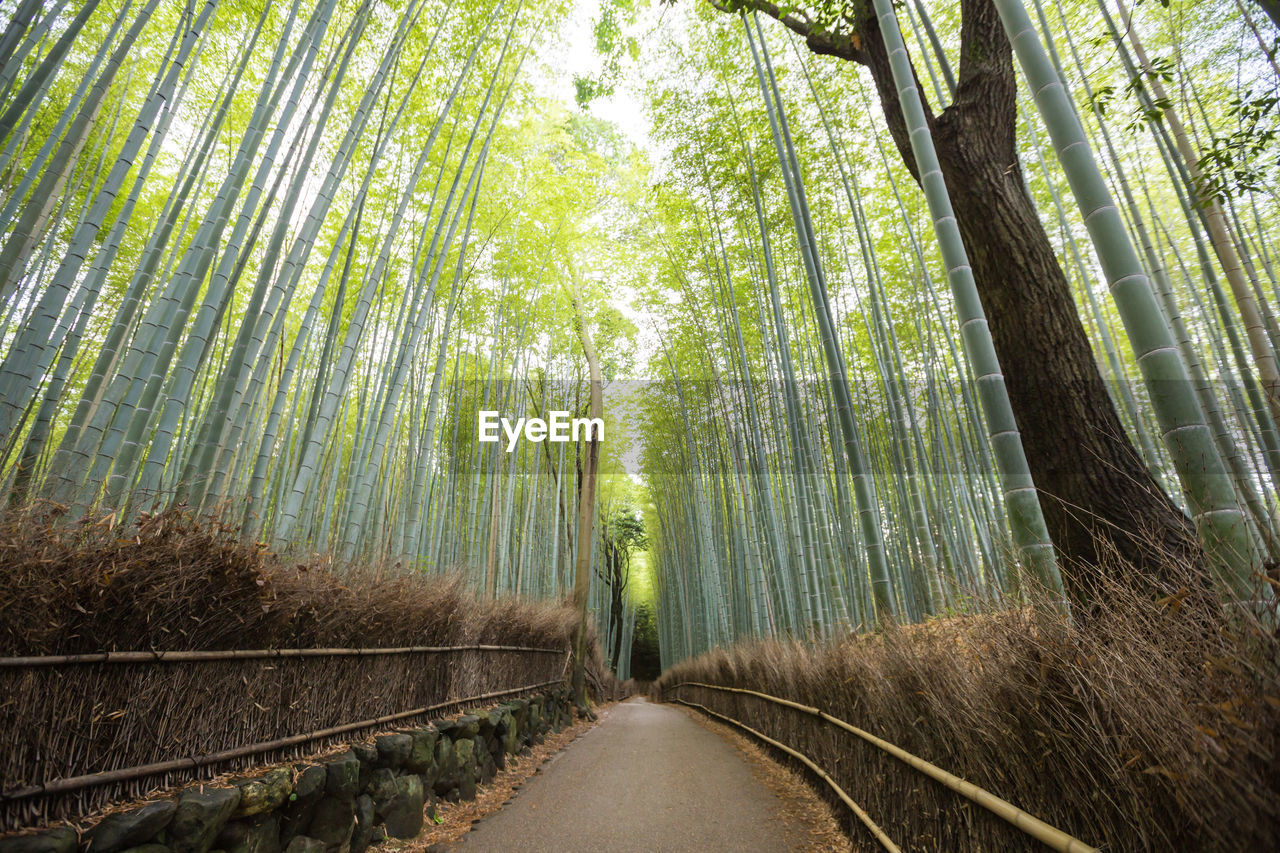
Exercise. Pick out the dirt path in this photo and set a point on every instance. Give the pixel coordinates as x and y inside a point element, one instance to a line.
<point>646,779</point>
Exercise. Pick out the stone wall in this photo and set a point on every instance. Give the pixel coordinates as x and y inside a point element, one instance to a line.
<point>382,788</point>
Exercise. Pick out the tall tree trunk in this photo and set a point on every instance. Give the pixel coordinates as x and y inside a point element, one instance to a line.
<point>586,512</point>
<point>615,619</point>
<point>1093,486</point>
<point>1094,490</point>
<point>616,568</point>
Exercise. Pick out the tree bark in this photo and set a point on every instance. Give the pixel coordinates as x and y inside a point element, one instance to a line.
<point>586,513</point>
<point>618,569</point>
<point>615,621</point>
<point>1095,492</point>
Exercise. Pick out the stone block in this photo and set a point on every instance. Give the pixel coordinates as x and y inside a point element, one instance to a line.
<point>333,823</point>
<point>258,834</point>
<point>264,793</point>
<point>393,750</point>
<point>59,839</point>
<point>382,789</point>
<point>403,817</point>
<point>297,813</point>
<point>362,834</point>
<point>200,815</point>
<point>342,775</point>
<point>422,753</point>
<point>446,766</point>
<point>467,726</point>
<point>123,830</point>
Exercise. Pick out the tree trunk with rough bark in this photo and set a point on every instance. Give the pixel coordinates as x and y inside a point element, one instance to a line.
<point>586,513</point>
<point>1095,492</point>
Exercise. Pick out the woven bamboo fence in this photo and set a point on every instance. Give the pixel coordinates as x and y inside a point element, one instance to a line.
<point>68,716</point>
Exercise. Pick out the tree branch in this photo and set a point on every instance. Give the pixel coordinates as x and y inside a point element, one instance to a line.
<point>863,46</point>
<point>815,38</point>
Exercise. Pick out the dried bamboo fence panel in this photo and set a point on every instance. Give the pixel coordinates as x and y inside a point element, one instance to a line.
<point>69,716</point>
<point>257,648</point>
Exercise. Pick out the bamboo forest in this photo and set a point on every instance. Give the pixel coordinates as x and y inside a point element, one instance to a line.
<point>889,387</point>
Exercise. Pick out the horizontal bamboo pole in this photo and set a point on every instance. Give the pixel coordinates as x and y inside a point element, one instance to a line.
<point>247,654</point>
<point>105,777</point>
<point>1031,825</point>
<point>808,762</point>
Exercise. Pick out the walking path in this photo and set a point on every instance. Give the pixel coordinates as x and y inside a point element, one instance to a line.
<point>647,779</point>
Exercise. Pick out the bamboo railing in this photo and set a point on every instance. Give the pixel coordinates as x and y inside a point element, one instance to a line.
<point>247,654</point>
<point>1027,823</point>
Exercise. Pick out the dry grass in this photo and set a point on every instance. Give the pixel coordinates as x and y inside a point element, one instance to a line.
<point>174,583</point>
<point>1148,725</point>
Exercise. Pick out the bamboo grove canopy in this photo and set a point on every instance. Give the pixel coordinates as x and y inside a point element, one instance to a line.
<point>898,308</point>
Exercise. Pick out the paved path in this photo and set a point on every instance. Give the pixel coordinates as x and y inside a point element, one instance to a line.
<point>646,779</point>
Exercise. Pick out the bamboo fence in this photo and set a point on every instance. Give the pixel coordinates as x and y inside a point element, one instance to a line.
<point>1028,824</point>
<point>84,730</point>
